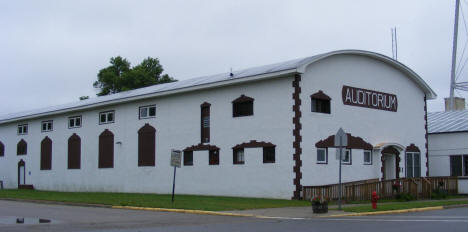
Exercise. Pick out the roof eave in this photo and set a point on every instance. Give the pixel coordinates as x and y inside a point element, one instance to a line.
<point>232,81</point>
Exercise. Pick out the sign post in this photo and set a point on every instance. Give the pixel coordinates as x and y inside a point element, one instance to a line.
<point>341,140</point>
<point>176,157</point>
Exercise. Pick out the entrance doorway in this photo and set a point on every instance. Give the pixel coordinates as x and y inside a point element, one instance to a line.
<point>390,163</point>
<point>21,173</point>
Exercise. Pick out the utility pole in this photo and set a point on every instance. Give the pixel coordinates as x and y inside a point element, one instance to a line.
<point>454,56</point>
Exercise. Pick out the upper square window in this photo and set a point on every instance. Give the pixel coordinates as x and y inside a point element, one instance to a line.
<point>147,111</point>
<point>74,122</point>
<point>322,156</point>
<point>320,102</point>
<point>106,117</point>
<point>242,106</point>
<point>367,157</point>
<point>47,126</point>
<point>23,129</point>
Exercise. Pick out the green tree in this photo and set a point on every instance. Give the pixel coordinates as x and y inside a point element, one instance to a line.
<point>120,76</point>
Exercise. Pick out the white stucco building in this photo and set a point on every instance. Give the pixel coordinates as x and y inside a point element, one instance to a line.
<point>260,132</point>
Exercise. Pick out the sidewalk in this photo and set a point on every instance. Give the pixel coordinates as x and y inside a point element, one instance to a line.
<point>306,212</point>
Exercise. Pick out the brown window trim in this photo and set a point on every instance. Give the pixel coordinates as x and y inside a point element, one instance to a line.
<point>186,155</point>
<point>353,143</point>
<point>240,100</point>
<point>146,106</point>
<point>147,146</point>
<point>265,156</point>
<point>47,121</point>
<point>211,160</point>
<point>22,142</point>
<point>322,98</point>
<point>326,156</point>
<point>46,154</point>
<point>235,160</point>
<point>107,122</point>
<point>104,151</point>
<point>74,162</point>
<point>74,117</point>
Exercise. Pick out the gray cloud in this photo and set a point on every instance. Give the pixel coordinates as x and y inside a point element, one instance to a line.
<point>51,51</point>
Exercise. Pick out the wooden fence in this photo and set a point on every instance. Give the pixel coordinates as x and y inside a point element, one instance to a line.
<point>420,188</point>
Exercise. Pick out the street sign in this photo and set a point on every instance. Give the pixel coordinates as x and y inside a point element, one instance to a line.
<point>341,141</point>
<point>176,158</point>
<point>341,138</point>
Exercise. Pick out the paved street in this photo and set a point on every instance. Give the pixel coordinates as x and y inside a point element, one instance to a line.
<point>73,218</point>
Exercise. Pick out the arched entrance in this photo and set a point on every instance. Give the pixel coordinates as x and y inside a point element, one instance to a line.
<point>21,173</point>
<point>390,157</point>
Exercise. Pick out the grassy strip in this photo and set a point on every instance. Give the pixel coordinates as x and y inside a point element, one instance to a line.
<point>212,203</point>
<point>403,205</point>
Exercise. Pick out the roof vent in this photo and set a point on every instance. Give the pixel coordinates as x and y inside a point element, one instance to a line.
<point>231,74</point>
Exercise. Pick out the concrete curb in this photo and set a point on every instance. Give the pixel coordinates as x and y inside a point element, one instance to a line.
<point>387,212</point>
<point>57,202</point>
<point>192,211</point>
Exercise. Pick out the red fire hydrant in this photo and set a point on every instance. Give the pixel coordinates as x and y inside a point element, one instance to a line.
<point>374,200</point>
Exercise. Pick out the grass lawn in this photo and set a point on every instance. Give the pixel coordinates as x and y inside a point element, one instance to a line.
<point>404,205</point>
<point>212,203</point>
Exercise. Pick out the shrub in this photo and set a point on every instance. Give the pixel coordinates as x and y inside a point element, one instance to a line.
<point>439,194</point>
<point>404,197</point>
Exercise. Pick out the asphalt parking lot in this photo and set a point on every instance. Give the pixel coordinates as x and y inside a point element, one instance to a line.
<point>75,218</point>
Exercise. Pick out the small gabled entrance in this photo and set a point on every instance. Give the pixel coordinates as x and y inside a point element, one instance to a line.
<point>390,156</point>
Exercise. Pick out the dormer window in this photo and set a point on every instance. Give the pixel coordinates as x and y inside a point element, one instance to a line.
<point>320,102</point>
<point>242,106</point>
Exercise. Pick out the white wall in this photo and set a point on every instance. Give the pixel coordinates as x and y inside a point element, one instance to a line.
<point>404,127</point>
<point>441,147</point>
<point>177,126</point>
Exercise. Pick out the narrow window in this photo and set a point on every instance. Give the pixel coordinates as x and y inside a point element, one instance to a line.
<point>23,129</point>
<point>242,106</point>
<point>46,126</point>
<point>46,154</point>
<point>74,122</point>
<point>213,157</point>
<point>456,165</point>
<point>106,149</point>
<point>22,148</point>
<point>465,165</point>
<point>205,123</point>
<point>238,156</point>
<point>320,102</point>
<point>2,149</point>
<point>74,152</point>
<point>322,155</point>
<point>147,111</point>
<point>146,145</point>
<point>347,157</point>
<point>106,117</point>
<point>413,164</point>
<point>188,158</point>
<point>367,157</point>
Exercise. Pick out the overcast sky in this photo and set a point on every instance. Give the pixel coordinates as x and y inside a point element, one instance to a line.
<point>51,51</point>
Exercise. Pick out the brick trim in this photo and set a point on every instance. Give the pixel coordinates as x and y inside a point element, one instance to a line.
<point>254,143</point>
<point>353,143</point>
<point>201,147</point>
<point>425,136</point>
<point>297,136</point>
